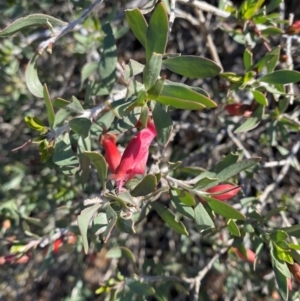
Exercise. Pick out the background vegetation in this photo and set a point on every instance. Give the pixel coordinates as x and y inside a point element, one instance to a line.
<point>41,248</point>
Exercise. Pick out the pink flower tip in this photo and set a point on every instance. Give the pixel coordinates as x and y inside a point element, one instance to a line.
<point>112,154</point>
<point>224,192</point>
<point>237,109</point>
<point>250,255</point>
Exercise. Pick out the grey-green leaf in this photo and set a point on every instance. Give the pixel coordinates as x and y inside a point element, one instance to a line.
<point>169,218</point>
<point>31,20</point>
<point>192,66</point>
<point>281,77</point>
<point>83,220</point>
<point>100,164</point>
<point>32,80</point>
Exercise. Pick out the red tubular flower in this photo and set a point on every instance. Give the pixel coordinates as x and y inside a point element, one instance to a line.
<point>224,192</point>
<point>250,255</point>
<point>294,28</point>
<point>237,109</point>
<point>134,158</point>
<point>112,154</point>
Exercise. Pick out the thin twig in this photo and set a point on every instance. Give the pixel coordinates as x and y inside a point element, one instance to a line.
<point>265,195</point>
<point>209,40</point>
<point>50,42</point>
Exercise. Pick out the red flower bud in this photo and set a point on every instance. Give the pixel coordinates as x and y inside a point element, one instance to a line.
<point>112,154</point>
<point>237,109</point>
<point>250,255</point>
<point>294,28</point>
<point>295,270</point>
<point>134,158</point>
<point>224,192</point>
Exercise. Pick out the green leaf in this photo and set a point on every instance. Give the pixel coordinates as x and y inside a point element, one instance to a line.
<point>281,77</point>
<point>120,252</point>
<point>100,164</point>
<point>192,66</point>
<point>247,58</point>
<point>84,220</point>
<point>125,225</point>
<point>226,162</point>
<point>60,103</point>
<point>272,5</point>
<point>271,30</point>
<point>269,60</point>
<point>157,32</point>
<point>99,223</point>
<point>75,106</point>
<point>253,121</point>
<point>81,126</point>
<point>185,197</point>
<point>163,123</point>
<point>87,70</point>
<point>250,7</point>
<point>84,144</point>
<point>132,68</point>
<point>273,212</point>
<point>32,80</point>
<point>31,20</point>
<point>223,208</point>
<point>278,235</point>
<point>140,288</point>
<point>169,218</point>
<point>182,208</point>
<point>260,98</point>
<point>233,228</point>
<point>281,281</point>
<point>204,182</point>
<point>232,77</point>
<point>156,89</point>
<point>202,218</point>
<point>49,107</point>
<point>137,24</point>
<point>152,70</point>
<point>292,231</point>
<point>35,124</point>
<point>146,186</point>
<point>64,156</point>
<point>111,216</point>
<point>183,97</point>
<point>108,62</point>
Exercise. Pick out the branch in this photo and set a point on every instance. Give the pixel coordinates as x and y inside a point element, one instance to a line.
<point>50,42</point>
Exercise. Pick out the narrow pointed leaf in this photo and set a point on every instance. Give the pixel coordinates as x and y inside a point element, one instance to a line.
<point>182,208</point>
<point>182,97</point>
<point>132,68</point>
<point>192,66</point>
<point>146,186</point>
<point>156,89</point>
<point>223,209</point>
<point>152,70</point>
<point>247,58</point>
<point>120,252</point>
<point>202,218</point>
<point>233,228</point>
<point>163,123</point>
<point>137,24</point>
<point>226,162</point>
<point>32,80</point>
<point>31,20</point>
<point>169,218</point>
<point>100,164</point>
<point>281,77</point>
<point>260,98</point>
<point>253,121</point>
<point>157,32</point>
<point>108,62</point>
<point>49,107</point>
<point>83,220</point>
